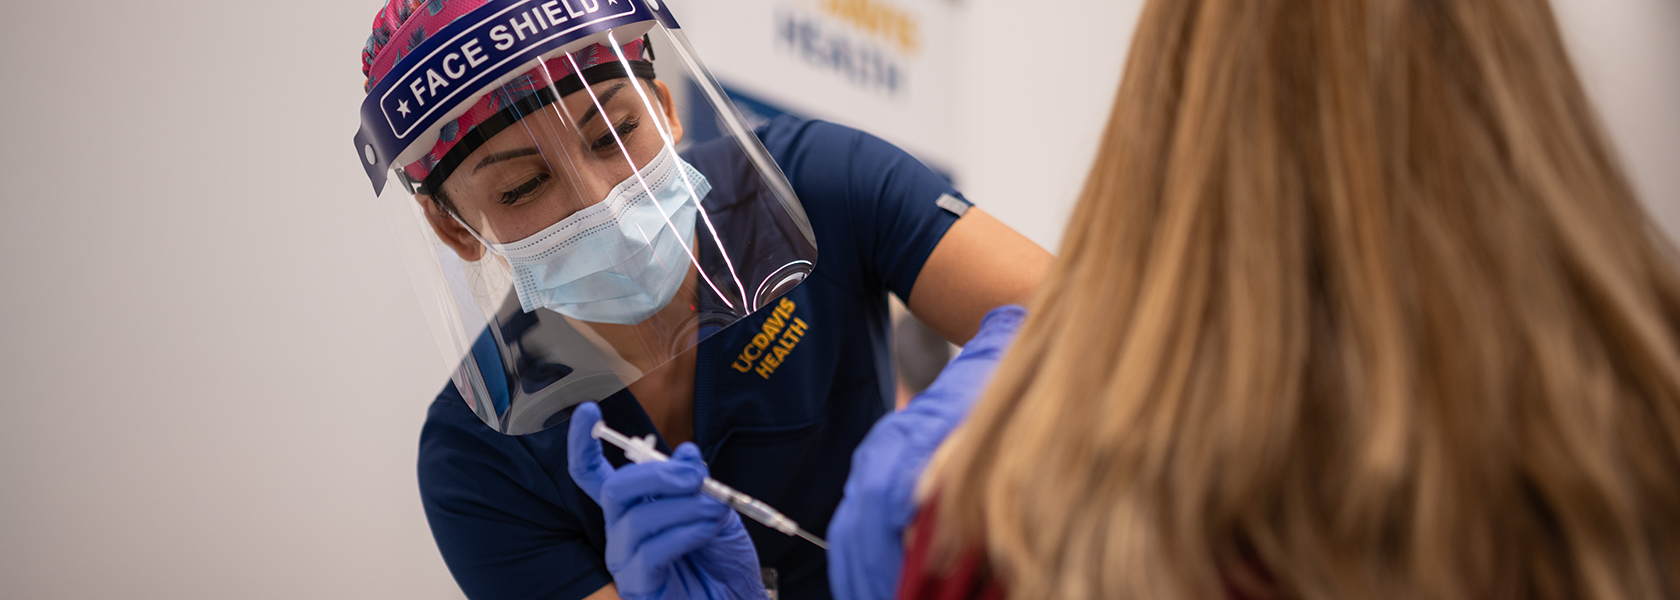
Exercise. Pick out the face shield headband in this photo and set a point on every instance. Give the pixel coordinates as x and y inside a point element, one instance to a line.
<point>524,95</point>
<point>410,109</point>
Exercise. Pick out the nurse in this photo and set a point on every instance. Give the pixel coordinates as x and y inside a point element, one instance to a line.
<point>574,246</point>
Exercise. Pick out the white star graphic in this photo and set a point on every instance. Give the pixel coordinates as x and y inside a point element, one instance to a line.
<point>402,107</point>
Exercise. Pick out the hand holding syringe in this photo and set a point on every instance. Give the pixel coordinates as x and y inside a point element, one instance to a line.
<point>640,450</point>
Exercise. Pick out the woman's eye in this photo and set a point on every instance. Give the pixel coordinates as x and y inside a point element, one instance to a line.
<point>525,189</point>
<point>622,129</point>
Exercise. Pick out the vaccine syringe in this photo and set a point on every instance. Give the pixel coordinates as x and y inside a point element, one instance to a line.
<point>640,450</point>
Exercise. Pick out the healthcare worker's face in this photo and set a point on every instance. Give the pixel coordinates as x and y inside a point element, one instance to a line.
<point>561,159</point>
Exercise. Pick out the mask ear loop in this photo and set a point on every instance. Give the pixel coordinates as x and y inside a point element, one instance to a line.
<point>487,245</point>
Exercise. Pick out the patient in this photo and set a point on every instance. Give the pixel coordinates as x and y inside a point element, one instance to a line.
<point>1356,303</point>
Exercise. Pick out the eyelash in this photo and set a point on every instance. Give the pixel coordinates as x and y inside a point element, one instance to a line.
<point>623,129</point>
<point>524,189</point>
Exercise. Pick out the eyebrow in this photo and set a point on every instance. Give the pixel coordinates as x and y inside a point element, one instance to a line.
<point>601,100</point>
<point>505,156</point>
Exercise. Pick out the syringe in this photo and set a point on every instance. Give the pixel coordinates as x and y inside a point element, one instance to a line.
<point>640,450</point>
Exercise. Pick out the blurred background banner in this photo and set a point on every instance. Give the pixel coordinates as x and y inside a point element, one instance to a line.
<point>214,389</point>
<point>884,66</point>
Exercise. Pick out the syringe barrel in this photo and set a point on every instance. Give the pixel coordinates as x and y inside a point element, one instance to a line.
<point>749,506</point>
<point>641,450</point>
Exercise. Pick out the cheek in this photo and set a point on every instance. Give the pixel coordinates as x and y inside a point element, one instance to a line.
<point>508,224</point>
<point>608,174</point>
<point>582,185</point>
<point>643,147</point>
<point>567,198</point>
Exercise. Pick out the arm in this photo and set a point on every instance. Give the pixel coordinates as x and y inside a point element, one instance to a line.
<point>871,200</point>
<point>979,265</point>
<point>866,536</point>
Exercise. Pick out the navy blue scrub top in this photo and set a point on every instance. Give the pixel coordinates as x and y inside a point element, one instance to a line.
<point>504,511</point>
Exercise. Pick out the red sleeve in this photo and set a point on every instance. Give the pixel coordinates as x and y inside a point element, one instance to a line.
<point>969,579</point>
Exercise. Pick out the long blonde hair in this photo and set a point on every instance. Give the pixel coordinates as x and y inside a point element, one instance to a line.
<point>1356,301</point>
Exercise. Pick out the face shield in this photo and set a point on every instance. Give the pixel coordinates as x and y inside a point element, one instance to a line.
<point>564,234</point>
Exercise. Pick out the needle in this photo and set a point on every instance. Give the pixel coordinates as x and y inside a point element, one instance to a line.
<point>640,450</point>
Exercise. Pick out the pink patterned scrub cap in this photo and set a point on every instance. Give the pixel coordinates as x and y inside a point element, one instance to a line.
<point>402,25</point>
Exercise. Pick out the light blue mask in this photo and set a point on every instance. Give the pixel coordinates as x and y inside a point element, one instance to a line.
<point>621,260</point>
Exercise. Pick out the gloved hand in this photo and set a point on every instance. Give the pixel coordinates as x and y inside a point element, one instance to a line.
<point>664,538</point>
<point>866,535</point>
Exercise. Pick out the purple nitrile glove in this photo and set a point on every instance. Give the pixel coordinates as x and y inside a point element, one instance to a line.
<point>866,535</point>
<point>664,538</point>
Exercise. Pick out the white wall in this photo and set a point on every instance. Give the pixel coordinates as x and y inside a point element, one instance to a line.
<point>214,367</point>
<point>1034,113</point>
<point>1628,54</point>
<point>1028,151</point>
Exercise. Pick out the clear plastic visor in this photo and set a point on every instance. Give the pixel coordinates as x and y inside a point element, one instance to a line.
<point>585,240</point>
<point>564,158</point>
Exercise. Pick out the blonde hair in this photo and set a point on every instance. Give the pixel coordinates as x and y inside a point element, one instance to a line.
<point>1357,299</point>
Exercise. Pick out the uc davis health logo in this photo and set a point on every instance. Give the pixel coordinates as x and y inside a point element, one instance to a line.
<point>774,341</point>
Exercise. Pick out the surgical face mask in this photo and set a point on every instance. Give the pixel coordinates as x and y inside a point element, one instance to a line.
<point>619,261</point>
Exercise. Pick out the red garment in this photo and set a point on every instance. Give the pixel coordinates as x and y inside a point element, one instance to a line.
<point>969,579</point>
